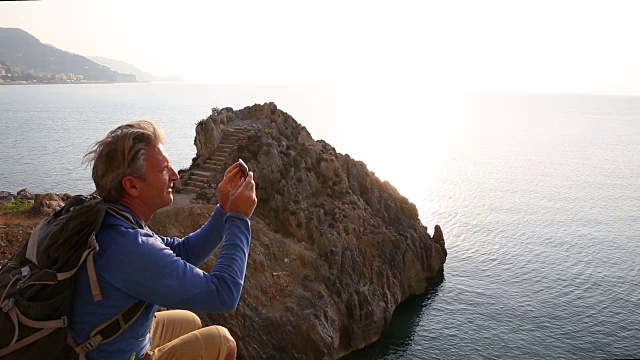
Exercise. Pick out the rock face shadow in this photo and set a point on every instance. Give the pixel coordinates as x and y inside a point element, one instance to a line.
<point>399,334</point>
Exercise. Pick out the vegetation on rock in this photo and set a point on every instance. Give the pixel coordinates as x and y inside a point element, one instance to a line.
<point>17,205</point>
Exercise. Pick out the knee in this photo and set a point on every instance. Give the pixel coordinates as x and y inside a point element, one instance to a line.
<point>194,321</point>
<point>232,349</point>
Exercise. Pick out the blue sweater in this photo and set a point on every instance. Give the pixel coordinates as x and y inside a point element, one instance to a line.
<point>137,264</point>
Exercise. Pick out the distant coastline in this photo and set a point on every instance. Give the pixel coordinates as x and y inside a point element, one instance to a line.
<point>25,60</point>
<point>14,83</point>
<point>9,83</point>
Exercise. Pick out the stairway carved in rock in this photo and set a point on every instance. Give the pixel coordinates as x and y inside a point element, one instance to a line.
<point>201,177</point>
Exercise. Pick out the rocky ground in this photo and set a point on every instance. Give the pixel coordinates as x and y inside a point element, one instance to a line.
<point>15,229</point>
<point>16,226</point>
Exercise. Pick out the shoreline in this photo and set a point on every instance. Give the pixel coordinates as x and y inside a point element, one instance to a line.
<point>15,83</point>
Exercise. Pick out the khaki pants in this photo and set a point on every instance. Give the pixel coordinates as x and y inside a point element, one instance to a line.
<point>178,334</point>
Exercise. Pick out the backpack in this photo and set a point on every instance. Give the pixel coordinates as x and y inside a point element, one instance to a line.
<point>37,285</point>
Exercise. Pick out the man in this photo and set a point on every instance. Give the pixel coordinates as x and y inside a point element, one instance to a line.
<point>132,171</point>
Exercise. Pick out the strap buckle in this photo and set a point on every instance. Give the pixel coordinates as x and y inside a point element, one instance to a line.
<point>7,304</point>
<point>89,344</point>
<point>25,273</point>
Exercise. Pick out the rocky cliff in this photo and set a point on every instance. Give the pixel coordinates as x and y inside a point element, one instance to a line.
<point>334,248</point>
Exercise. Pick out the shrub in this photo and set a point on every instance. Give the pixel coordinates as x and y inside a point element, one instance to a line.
<point>17,205</point>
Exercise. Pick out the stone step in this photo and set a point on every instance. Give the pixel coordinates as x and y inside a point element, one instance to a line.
<point>214,163</point>
<point>199,173</point>
<point>229,142</point>
<point>211,168</point>
<point>196,181</point>
<point>233,136</point>
<point>217,158</point>
<point>222,146</point>
<point>190,189</point>
<point>195,184</point>
<point>200,178</point>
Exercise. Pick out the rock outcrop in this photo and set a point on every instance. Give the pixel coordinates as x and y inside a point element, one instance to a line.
<point>47,204</point>
<point>43,204</point>
<point>334,248</point>
<point>6,196</point>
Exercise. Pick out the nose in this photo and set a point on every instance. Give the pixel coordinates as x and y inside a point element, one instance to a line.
<point>173,175</point>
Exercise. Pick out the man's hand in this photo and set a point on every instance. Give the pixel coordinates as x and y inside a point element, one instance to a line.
<point>232,179</point>
<point>243,198</point>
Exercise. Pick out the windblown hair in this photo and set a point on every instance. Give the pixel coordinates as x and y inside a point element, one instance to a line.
<point>121,153</point>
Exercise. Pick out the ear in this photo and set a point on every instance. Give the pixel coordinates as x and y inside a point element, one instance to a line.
<point>130,185</point>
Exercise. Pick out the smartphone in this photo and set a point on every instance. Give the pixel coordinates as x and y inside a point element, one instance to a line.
<point>244,169</point>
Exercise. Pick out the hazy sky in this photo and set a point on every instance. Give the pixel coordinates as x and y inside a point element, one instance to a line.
<point>382,61</point>
<point>558,46</point>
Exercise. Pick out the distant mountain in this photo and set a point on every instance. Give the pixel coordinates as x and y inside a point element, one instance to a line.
<point>23,52</point>
<point>126,68</point>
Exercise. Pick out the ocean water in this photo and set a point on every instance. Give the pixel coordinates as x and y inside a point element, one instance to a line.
<point>540,207</point>
<point>46,130</point>
<point>537,197</point>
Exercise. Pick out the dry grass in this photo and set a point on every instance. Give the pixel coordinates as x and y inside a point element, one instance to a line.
<point>15,229</point>
<point>20,218</point>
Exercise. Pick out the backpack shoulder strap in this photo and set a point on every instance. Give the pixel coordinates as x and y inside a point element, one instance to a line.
<point>122,215</point>
<point>115,326</point>
<point>110,329</point>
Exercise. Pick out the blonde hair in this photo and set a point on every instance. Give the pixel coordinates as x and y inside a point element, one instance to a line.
<point>121,153</point>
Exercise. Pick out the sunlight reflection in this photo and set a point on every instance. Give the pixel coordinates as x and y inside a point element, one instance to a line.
<point>405,142</point>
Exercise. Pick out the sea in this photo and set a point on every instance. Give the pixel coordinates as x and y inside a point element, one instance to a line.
<point>537,195</point>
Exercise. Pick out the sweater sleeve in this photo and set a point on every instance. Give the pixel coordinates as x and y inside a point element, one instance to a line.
<point>148,269</point>
<point>199,245</point>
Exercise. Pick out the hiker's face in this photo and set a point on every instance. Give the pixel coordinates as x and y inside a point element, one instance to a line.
<point>155,192</point>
